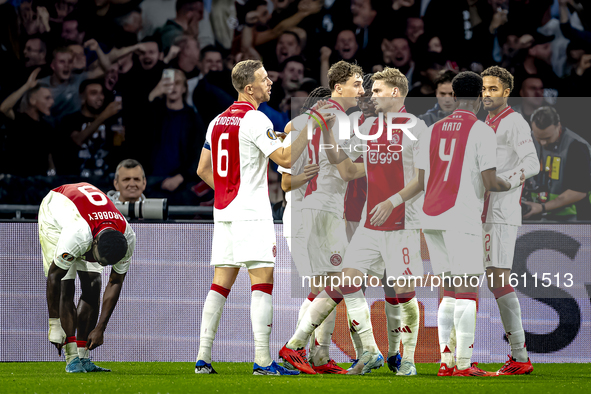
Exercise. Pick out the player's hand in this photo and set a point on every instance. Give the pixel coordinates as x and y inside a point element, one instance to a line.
<point>381,213</point>
<point>310,170</point>
<point>536,209</point>
<point>112,109</point>
<point>95,339</point>
<point>56,334</point>
<point>522,177</point>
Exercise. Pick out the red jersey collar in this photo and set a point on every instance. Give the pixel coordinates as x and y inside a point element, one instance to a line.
<point>464,112</point>
<point>104,226</point>
<point>244,103</point>
<point>339,106</point>
<point>502,113</point>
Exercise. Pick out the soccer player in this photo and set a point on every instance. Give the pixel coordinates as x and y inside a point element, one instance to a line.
<point>502,211</point>
<point>324,227</point>
<point>390,238</point>
<point>457,164</point>
<point>234,162</point>
<point>82,231</point>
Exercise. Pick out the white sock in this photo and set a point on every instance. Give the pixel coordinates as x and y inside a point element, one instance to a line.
<point>510,311</point>
<point>360,319</point>
<point>445,324</point>
<point>83,352</point>
<point>318,310</point>
<point>357,345</point>
<point>303,309</point>
<point>410,328</point>
<point>393,323</point>
<point>465,323</point>
<point>452,346</point>
<point>324,338</point>
<point>210,320</point>
<point>71,351</point>
<point>261,316</point>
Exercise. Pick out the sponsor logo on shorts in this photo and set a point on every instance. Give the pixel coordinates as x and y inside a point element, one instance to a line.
<point>67,257</point>
<point>336,259</point>
<point>274,251</point>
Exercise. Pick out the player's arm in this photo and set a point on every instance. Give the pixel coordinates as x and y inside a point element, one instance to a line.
<point>110,298</point>
<point>205,169</point>
<point>56,335</point>
<point>494,183</point>
<point>285,156</point>
<point>289,182</point>
<point>335,156</point>
<point>383,210</point>
<point>526,151</point>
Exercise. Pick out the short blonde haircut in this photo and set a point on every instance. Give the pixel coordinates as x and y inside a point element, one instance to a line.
<point>393,77</point>
<point>243,73</point>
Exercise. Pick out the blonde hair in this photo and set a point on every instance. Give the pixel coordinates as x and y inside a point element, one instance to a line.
<point>393,77</point>
<point>243,73</point>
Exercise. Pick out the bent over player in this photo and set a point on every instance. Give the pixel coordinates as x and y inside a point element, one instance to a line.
<point>82,231</point>
<point>234,163</point>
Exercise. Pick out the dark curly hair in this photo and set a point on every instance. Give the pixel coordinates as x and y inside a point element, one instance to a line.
<point>317,94</point>
<point>111,246</point>
<point>341,72</point>
<point>467,84</point>
<point>504,76</point>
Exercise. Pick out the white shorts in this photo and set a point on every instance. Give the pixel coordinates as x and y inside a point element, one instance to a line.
<point>454,253</point>
<point>498,241</point>
<point>396,252</point>
<point>350,228</point>
<point>326,240</point>
<point>299,255</point>
<point>49,236</point>
<point>244,243</point>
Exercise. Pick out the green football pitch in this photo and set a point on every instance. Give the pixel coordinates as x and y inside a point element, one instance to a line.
<point>158,377</point>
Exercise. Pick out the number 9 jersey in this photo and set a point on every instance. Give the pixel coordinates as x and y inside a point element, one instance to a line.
<point>241,140</point>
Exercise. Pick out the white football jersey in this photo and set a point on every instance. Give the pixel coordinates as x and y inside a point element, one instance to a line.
<point>241,140</point>
<point>294,197</point>
<point>453,153</point>
<point>326,191</point>
<point>388,171</point>
<point>515,150</point>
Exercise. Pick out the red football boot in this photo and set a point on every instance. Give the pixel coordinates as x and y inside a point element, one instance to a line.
<point>444,370</point>
<point>513,367</point>
<point>297,358</point>
<point>330,367</point>
<point>472,371</point>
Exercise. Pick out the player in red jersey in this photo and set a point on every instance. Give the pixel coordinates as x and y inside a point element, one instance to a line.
<point>82,231</point>
<point>323,225</point>
<point>502,211</point>
<point>457,165</point>
<point>234,162</point>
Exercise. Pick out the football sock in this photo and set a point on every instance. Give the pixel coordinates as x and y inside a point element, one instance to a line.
<point>83,352</point>
<point>465,323</point>
<point>359,317</point>
<point>324,338</point>
<point>409,307</point>
<point>210,320</point>
<point>304,307</point>
<point>319,309</point>
<point>261,316</point>
<point>71,349</point>
<point>393,323</point>
<point>445,325</point>
<point>510,311</point>
<point>357,345</point>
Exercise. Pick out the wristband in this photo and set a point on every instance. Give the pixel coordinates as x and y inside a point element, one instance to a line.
<point>396,200</point>
<point>54,322</point>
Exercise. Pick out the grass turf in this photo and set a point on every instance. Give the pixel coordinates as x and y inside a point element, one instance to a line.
<point>158,377</point>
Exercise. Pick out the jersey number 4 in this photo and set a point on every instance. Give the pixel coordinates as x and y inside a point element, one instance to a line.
<point>446,157</point>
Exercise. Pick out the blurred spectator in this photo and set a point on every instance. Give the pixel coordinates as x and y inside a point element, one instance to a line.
<point>290,78</point>
<point>72,29</point>
<point>396,53</point>
<point>89,134</point>
<point>129,182</point>
<point>211,60</point>
<point>29,139</point>
<point>179,135</point>
<point>532,96</point>
<point>188,15</point>
<point>35,52</point>
<point>33,19</point>
<point>445,100</point>
<point>188,58</point>
<point>563,185</point>
<point>414,29</point>
<point>429,69</point>
<point>537,60</point>
<point>131,22</point>
<point>288,45</point>
<point>79,60</point>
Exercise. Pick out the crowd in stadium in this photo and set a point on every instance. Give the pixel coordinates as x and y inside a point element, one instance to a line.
<point>83,85</point>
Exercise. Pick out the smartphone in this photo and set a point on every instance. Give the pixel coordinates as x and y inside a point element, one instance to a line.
<point>168,73</point>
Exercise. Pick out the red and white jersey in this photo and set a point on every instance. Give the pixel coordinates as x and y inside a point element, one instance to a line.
<point>515,150</point>
<point>355,197</point>
<point>326,191</point>
<point>294,197</point>
<point>241,140</point>
<point>81,211</point>
<point>388,170</point>
<point>453,153</point>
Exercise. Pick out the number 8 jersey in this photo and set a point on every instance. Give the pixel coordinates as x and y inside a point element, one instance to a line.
<point>241,140</point>
<point>453,153</point>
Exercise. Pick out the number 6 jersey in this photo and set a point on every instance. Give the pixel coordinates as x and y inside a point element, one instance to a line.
<point>241,140</point>
<point>453,153</point>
